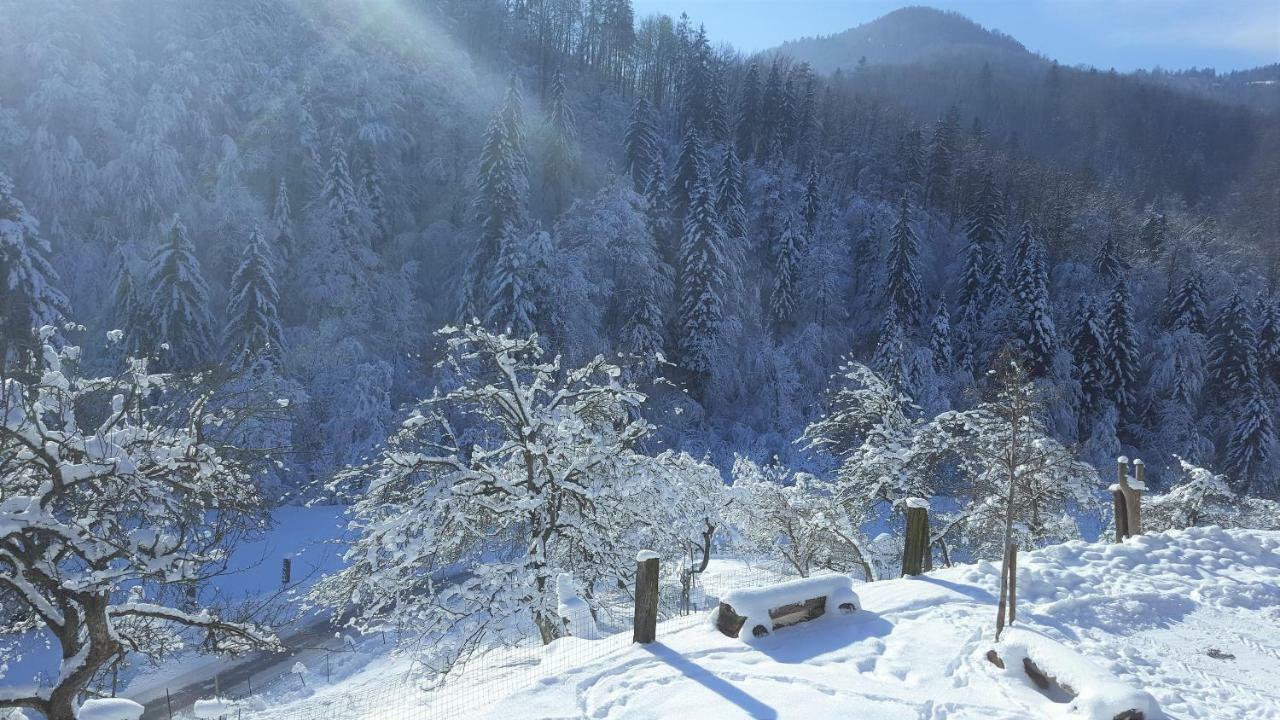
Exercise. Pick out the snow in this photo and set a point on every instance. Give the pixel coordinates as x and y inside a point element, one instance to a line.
<point>213,708</point>
<point>647,555</point>
<point>110,709</point>
<point>1098,695</point>
<point>1114,621</point>
<point>918,503</point>
<point>754,603</point>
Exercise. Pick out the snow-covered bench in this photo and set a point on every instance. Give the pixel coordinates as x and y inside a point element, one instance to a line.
<point>1052,666</point>
<point>761,610</point>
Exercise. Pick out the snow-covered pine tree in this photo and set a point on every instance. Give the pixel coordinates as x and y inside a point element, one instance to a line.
<point>749,106</point>
<point>1198,498</point>
<point>902,281</point>
<point>180,301</point>
<point>1121,358</point>
<point>29,297</point>
<point>940,348</point>
<point>729,204</point>
<point>1232,352</point>
<point>283,237</point>
<point>784,291</point>
<point>1089,358</point>
<point>1035,330</point>
<point>658,214</point>
<point>1269,343</point>
<point>640,149</point>
<point>984,233</point>
<point>1186,305</point>
<point>1251,443</point>
<point>502,191</point>
<point>562,155</point>
<point>1108,264</point>
<point>375,202</point>
<point>691,166</point>
<point>811,202</point>
<point>339,262</point>
<point>703,277</point>
<point>1154,232</point>
<point>514,282</point>
<point>253,319</point>
<point>130,311</point>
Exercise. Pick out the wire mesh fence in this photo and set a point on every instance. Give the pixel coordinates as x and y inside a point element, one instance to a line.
<point>376,686</point>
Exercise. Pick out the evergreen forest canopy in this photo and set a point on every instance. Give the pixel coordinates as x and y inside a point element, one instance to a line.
<point>298,195</point>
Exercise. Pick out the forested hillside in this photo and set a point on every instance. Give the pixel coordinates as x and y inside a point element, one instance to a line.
<point>301,194</point>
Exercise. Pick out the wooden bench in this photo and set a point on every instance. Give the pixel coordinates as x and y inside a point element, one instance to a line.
<point>765,609</point>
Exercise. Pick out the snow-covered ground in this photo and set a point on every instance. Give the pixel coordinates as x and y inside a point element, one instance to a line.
<point>1191,617</point>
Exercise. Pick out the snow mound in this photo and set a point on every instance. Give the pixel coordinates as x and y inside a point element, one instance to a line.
<point>1097,695</point>
<point>213,708</point>
<point>109,709</point>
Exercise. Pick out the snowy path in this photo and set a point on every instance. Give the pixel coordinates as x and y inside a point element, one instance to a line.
<point>1146,612</point>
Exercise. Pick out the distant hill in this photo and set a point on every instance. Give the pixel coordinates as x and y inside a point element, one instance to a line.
<point>907,35</point>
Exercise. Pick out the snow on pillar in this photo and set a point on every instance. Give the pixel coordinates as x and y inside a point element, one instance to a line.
<point>917,541</point>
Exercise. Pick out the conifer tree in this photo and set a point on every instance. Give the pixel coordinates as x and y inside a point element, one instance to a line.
<point>180,301</point>
<point>703,278</point>
<point>690,168</point>
<point>1269,343</point>
<point>29,297</point>
<point>811,203</point>
<point>749,107</point>
<point>729,206</point>
<point>562,156</point>
<point>339,262</point>
<point>984,232</point>
<point>1153,233</point>
<point>129,301</point>
<point>375,201</point>
<point>1251,442</point>
<point>783,296</point>
<point>513,307</point>
<point>253,319</point>
<point>503,184</point>
<point>902,287</point>
<point>940,340</point>
<point>640,150</point>
<point>1109,265</point>
<point>1035,328</point>
<point>1186,305</point>
<point>283,236</point>
<point>1232,348</point>
<point>1121,358</point>
<point>943,146</point>
<point>1089,357</point>
<point>658,214</point>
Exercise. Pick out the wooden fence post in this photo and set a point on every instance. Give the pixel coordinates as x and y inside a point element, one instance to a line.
<point>1133,503</point>
<point>917,542</point>
<point>1120,513</point>
<point>645,628</point>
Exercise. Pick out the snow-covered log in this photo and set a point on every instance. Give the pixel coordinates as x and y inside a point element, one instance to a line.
<point>760,611</point>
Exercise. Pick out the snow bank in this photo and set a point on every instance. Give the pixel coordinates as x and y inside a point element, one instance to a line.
<point>575,611</point>
<point>110,709</point>
<point>647,555</point>
<point>213,708</point>
<point>1098,695</point>
<point>754,603</point>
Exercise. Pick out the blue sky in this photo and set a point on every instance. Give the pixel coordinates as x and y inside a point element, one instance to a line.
<point>1125,34</point>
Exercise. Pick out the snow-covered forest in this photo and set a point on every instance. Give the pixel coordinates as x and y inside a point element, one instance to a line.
<point>532,285</point>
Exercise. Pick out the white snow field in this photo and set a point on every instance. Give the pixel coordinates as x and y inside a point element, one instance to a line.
<point>1191,618</point>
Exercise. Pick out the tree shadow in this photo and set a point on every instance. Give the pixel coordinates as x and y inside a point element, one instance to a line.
<point>974,593</point>
<point>691,670</point>
<point>805,641</point>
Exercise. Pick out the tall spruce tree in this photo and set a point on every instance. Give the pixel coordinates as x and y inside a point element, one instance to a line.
<point>811,202</point>
<point>29,297</point>
<point>1269,343</point>
<point>640,149</point>
<point>703,277</point>
<point>253,320</point>
<point>729,204</point>
<point>180,301</point>
<point>1232,352</point>
<point>1121,358</point>
<point>503,185</point>
<point>984,234</point>
<point>1109,264</point>
<point>562,155</point>
<point>691,166</point>
<point>749,106</point>
<point>940,340</point>
<point>1186,305</point>
<point>1036,333</point>
<point>658,215</point>
<point>1251,443</point>
<point>1089,358</point>
<point>375,202</point>
<point>130,304</point>
<point>339,263</point>
<point>784,293</point>
<point>282,233</point>
<point>902,284</point>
